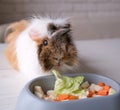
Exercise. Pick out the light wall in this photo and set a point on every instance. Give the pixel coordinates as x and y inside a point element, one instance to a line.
<point>91,19</point>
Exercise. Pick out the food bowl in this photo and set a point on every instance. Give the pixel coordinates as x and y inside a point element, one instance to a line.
<point>28,101</point>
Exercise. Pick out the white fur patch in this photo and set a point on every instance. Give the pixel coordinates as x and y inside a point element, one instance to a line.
<point>41,25</point>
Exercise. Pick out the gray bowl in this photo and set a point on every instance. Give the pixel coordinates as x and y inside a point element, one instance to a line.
<point>28,101</point>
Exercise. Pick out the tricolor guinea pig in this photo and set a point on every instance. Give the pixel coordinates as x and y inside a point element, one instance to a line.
<point>37,46</point>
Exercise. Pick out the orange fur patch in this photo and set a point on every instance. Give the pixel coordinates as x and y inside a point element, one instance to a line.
<point>16,29</point>
<point>11,55</point>
<point>10,52</point>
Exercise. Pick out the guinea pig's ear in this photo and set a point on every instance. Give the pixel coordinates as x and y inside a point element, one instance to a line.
<point>51,28</point>
<point>35,36</point>
<point>67,25</point>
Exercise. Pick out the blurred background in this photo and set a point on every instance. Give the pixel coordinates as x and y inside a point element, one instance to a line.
<point>91,19</point>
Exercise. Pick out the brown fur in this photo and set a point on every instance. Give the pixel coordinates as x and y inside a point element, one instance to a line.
<point>59,51</point>
<point>15,28</point>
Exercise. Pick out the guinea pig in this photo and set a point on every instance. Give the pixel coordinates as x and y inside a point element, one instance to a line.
<point>40,45</point>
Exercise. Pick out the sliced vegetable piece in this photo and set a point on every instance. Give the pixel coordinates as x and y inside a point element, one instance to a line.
<point>102,92</point>
<point>66,97</point>
<point>101,84</point>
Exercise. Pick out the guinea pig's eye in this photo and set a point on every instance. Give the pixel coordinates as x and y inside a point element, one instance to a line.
<point>45,42</point>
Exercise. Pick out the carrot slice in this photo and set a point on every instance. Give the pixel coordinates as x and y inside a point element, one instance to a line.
<point>62,97</point>
<point>71,97</point>
<point>66,97</point>
<point>101,84</point>
<point>102,92</point>
<point>106,87</point>
<point>91,93</point>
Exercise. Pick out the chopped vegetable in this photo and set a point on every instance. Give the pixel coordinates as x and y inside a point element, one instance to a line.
<point>111,91</point>
<point>38,91</point>
<point>101,84</point>
<point>95,87</point>
<point>66,97</point>
<point>102,92</point>
<point>85,85</point>
<point>73,88</point>
<point>67,85</point>
<point>91,93</point>
<point>106,87</point>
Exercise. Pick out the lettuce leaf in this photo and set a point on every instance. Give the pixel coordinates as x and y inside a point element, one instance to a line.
<point>67,85</point>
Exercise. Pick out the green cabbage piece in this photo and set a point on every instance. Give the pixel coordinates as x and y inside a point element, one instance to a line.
<point>67,85</point>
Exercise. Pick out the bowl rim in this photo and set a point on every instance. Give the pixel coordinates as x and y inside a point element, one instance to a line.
<point>27,87</point>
